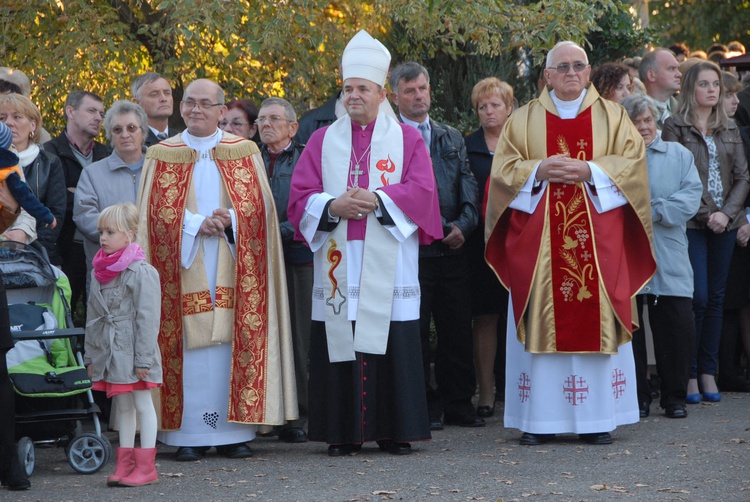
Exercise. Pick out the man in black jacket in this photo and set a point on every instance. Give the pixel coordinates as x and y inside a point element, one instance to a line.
<point>277,125</point>
<point>76,148</point>
<point>443,265</point>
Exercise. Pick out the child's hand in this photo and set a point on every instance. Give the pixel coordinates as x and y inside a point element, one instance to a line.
<point>53,224</point>
<point>141,373</point>
<point>90,371</point>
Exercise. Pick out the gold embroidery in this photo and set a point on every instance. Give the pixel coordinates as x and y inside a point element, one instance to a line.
<point>196,303</point>
<point>574,229</point>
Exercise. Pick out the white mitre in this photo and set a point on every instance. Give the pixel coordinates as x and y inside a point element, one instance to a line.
<point>365,57</point>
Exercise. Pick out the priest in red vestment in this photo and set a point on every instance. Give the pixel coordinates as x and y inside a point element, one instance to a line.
<point>208,224</point>
<point>568,231</point>
<point>363,197</point>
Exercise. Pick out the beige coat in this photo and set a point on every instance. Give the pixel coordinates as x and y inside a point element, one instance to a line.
<point>122,326</point>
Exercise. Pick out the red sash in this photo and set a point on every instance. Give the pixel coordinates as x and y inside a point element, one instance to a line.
<point>575,274</point>
<point>166,206</point>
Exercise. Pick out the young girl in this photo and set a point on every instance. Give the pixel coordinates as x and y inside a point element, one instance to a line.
<point>122,354</point>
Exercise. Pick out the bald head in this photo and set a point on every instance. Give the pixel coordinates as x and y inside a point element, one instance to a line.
<point>202,107</point>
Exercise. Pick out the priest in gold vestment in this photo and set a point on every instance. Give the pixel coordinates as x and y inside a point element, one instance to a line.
<point>568,229</point>
<point>208,224</point>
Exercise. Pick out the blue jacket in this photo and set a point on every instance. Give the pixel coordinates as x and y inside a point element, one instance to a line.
<point>676,191</point>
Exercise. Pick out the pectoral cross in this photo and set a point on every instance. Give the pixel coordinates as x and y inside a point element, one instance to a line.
<point>356,172</point>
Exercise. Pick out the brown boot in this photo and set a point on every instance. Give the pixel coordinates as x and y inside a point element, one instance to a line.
<point>125,465</point>
<point>145,470</point>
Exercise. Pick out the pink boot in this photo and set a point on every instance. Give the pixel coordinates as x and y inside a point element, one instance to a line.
<point>145,470</point>
<point>125,465</point>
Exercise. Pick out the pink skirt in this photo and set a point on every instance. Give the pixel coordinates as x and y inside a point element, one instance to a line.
<point>114,389</point>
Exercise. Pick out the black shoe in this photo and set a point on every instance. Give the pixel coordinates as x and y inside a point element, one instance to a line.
<point>190,453</point>
<point>16,479</point>
<point>644,409</point>
<point>293,435</point>
<point>436,424</point>
<point>342,450</point>
<point>596,438</point>
<point>675,411</point>
<point>467,420</point>
<point>529,439</point>
<point>393,447</point>
<point>485,411</point>
<point>235,451</point>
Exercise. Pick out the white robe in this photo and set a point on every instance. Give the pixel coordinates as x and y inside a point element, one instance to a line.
<point>206,370</point>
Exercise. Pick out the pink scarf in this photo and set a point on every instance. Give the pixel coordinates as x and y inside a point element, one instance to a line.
<point>107,267</point>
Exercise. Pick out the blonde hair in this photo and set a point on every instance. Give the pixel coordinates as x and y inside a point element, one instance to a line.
<point>687,105</point>
<point>24,105</point>
<point>492,86</point>
<point>122,217</point>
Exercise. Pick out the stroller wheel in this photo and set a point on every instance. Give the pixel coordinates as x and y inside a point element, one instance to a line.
<point>26,455</point>
<point>87,452</point>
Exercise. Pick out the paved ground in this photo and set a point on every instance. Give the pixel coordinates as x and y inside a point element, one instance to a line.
<point>705,457</point>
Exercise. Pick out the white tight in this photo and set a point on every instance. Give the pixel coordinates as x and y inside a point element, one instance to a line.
<point>128,405</point>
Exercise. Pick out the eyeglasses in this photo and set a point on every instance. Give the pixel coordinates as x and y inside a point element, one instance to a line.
<point>565,67</point>
<point>234,123</point>
<point>191,103</point>
<point>273,119</point>
<point>131,128</point>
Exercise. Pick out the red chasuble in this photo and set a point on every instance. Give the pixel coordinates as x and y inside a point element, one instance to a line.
<point>583,251</point>
<point>167,202</point>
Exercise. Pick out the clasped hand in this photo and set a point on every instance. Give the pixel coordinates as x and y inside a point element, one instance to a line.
<point>215,224</point>
<point>562,168</point>
<point>355,204</point>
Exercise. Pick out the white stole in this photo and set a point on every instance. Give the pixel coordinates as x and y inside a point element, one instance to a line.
<point>380,246</point>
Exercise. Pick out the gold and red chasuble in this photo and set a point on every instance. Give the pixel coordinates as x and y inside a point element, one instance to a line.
<point>575,275</point>
<point>166,206</point>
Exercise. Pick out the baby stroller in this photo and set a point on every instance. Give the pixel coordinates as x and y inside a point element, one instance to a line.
<point>53,390</point>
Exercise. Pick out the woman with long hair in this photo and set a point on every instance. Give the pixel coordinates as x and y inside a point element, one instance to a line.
<point>700,123</point>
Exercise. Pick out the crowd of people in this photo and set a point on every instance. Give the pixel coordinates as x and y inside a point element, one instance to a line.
<point>367,273</point>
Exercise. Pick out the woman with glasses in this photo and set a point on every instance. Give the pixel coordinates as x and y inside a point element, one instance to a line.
<point>113,179</point>
<point>700,124</point>
<point>240,119</point>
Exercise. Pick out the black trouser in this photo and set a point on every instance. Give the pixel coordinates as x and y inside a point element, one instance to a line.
<point>7,396</point>
<point>446,297</point>
<point>673,329</point>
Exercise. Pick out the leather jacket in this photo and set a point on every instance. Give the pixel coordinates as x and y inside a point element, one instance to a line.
<point>316,118</point>
<point>732,165</point>
<point>457,188</point>
<point>281,182</point>
<point>45,178</point>
<point>72,169</point>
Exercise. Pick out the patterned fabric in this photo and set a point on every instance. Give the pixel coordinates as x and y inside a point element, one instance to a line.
<point>715,187</point>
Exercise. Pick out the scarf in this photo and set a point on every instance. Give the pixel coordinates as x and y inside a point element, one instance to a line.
<point>107,267</point>
<point>27,156</point>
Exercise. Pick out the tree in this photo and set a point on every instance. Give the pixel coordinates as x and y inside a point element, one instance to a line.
<point>701,23</point>
<point>286,48</point>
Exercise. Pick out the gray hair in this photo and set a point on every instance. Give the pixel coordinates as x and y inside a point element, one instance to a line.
<point>407,72</point>
<point>637,104</point>
<point>559,45</point>
<point>288,108</point>
<point>219,91</point>
<point>146,78</point>
<point>123,107</point>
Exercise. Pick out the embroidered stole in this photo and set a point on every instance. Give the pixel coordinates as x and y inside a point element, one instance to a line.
<point>376,286</point>
<point>245,290</point>
<point>575,271</point>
